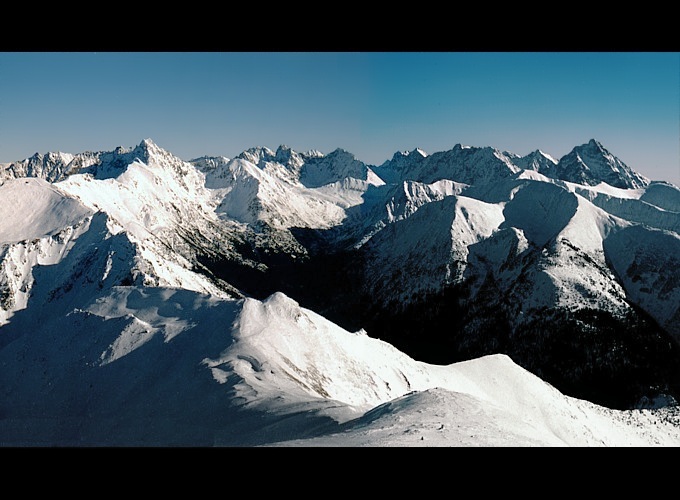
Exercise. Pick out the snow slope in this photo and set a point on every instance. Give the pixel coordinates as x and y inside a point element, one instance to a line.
<point>113,331</point>
<point>428,250</point>
<point>157,367</point>
<point>33,208</point>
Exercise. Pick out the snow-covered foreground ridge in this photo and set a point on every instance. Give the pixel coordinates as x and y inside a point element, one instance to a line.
<point>159,366</point>
<point>115,330</point>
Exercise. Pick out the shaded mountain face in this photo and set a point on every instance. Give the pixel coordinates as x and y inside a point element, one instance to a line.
<point>591,164</point>
<point>566,266</point>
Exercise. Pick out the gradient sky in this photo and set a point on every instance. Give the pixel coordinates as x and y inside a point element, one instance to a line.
<point>371,104</point>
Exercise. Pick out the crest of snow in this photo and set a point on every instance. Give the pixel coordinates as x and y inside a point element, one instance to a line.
<point>279,345</point>
<point>638,205</point>
<point>282,348</point>
<point>591,192</point>
<point>33,208</point>
<point>289,367</point>
<point>541,210</point>
<point>373,179</point>
<point>428,249</point>
<point>589,226</point>
<point>134,335</point>
<point>550,158</point>
<point>663,195</point>
<point>533,175</point>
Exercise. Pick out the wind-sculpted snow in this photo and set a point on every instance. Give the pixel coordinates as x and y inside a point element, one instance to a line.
<point>33,208</point>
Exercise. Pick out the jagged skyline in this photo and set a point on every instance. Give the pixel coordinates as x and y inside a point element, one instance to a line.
<point>370,104</point>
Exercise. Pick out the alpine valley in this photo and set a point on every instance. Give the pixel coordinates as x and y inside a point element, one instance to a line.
<point>469,297</point>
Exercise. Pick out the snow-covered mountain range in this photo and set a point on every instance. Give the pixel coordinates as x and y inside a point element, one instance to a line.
<point>150,300</point>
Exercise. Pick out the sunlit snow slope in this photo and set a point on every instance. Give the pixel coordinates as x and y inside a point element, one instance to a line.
<point>142,299</point>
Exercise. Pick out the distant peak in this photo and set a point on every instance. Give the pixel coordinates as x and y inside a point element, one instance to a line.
<point>594,145</point>
<point>545,155</point>
<point>313,153</point>
<point>342,153</point>
<point>414,151</point>
<point>591,163</point>
<point>283,153</point>
<point>414,154</point>
<point>149,146</point>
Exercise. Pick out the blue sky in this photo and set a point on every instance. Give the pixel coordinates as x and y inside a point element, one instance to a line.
<point>371,104</point>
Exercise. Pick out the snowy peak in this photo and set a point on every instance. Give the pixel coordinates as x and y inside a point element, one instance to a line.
<point>414,155</point>
<point>51,166</point>
<point>333,167</point>
<point>537,161</point>
<point>464,164</point>
<point>256,154</point>
<point>112,164</point>
<point>312,169</point>
<point>287,156</point>
<point>591,164</point>
<point>587,164</point>
<point>396,170</point>
<point>208,164</point>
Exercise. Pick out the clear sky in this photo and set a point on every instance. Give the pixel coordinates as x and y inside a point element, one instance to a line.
<point>371,104</point>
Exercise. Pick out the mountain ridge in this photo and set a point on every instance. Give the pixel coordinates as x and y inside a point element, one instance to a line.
<point>448,257</point>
